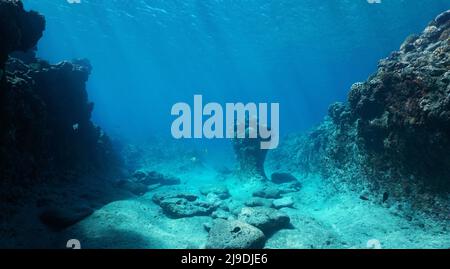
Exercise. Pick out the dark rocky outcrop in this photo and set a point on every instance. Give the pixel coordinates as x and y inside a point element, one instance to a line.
<point>46,132</point>
<point>280,178</point>
<point>267,219</point>
<point>393,134</point>
<point>19,29</point>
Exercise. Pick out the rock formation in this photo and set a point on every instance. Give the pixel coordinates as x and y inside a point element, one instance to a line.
<point>46,130</point>
<point>392,137</point>
<point>19,29</point>
<point>249,155</point>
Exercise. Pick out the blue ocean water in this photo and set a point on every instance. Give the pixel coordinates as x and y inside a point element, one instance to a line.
<point>333,188</point>
<point>149,54</point>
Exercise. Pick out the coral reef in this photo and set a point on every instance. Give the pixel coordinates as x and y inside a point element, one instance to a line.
<point>45,128</point>
<point>392,137</point>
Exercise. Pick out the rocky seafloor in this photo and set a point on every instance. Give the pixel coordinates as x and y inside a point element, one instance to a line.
<point>374,174</point>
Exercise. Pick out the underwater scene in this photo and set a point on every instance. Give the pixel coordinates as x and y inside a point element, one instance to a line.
<point>225,124</point>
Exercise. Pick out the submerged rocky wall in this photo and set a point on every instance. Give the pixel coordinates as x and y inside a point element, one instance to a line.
<point>46,132</point>
<point>392,138</point>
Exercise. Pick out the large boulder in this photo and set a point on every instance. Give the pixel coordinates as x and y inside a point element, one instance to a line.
<point>234,234</point>
<point>267,219</point>
<point>181,205</point>
<point>287,201</point>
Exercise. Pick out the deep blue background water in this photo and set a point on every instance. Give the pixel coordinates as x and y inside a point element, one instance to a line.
<point>149,54</point>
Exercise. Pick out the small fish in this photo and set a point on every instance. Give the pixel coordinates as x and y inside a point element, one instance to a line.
<point>75,127</point>
<point>385,196</point>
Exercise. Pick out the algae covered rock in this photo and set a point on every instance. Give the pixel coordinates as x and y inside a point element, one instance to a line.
<point>234,234</point>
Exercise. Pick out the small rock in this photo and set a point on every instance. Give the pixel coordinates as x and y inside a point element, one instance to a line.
<point>221,191</point>
<point>279,178</point>
<point>364,196</point>
<point>61,218</point>
<point>221,214</point>
<point>159,197</point>
<point>289,187</point>
<point>283,202</point>
<point>207,226</point>
<point>267,219</point>
<point>234,234</point>
<point>268,192</point>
